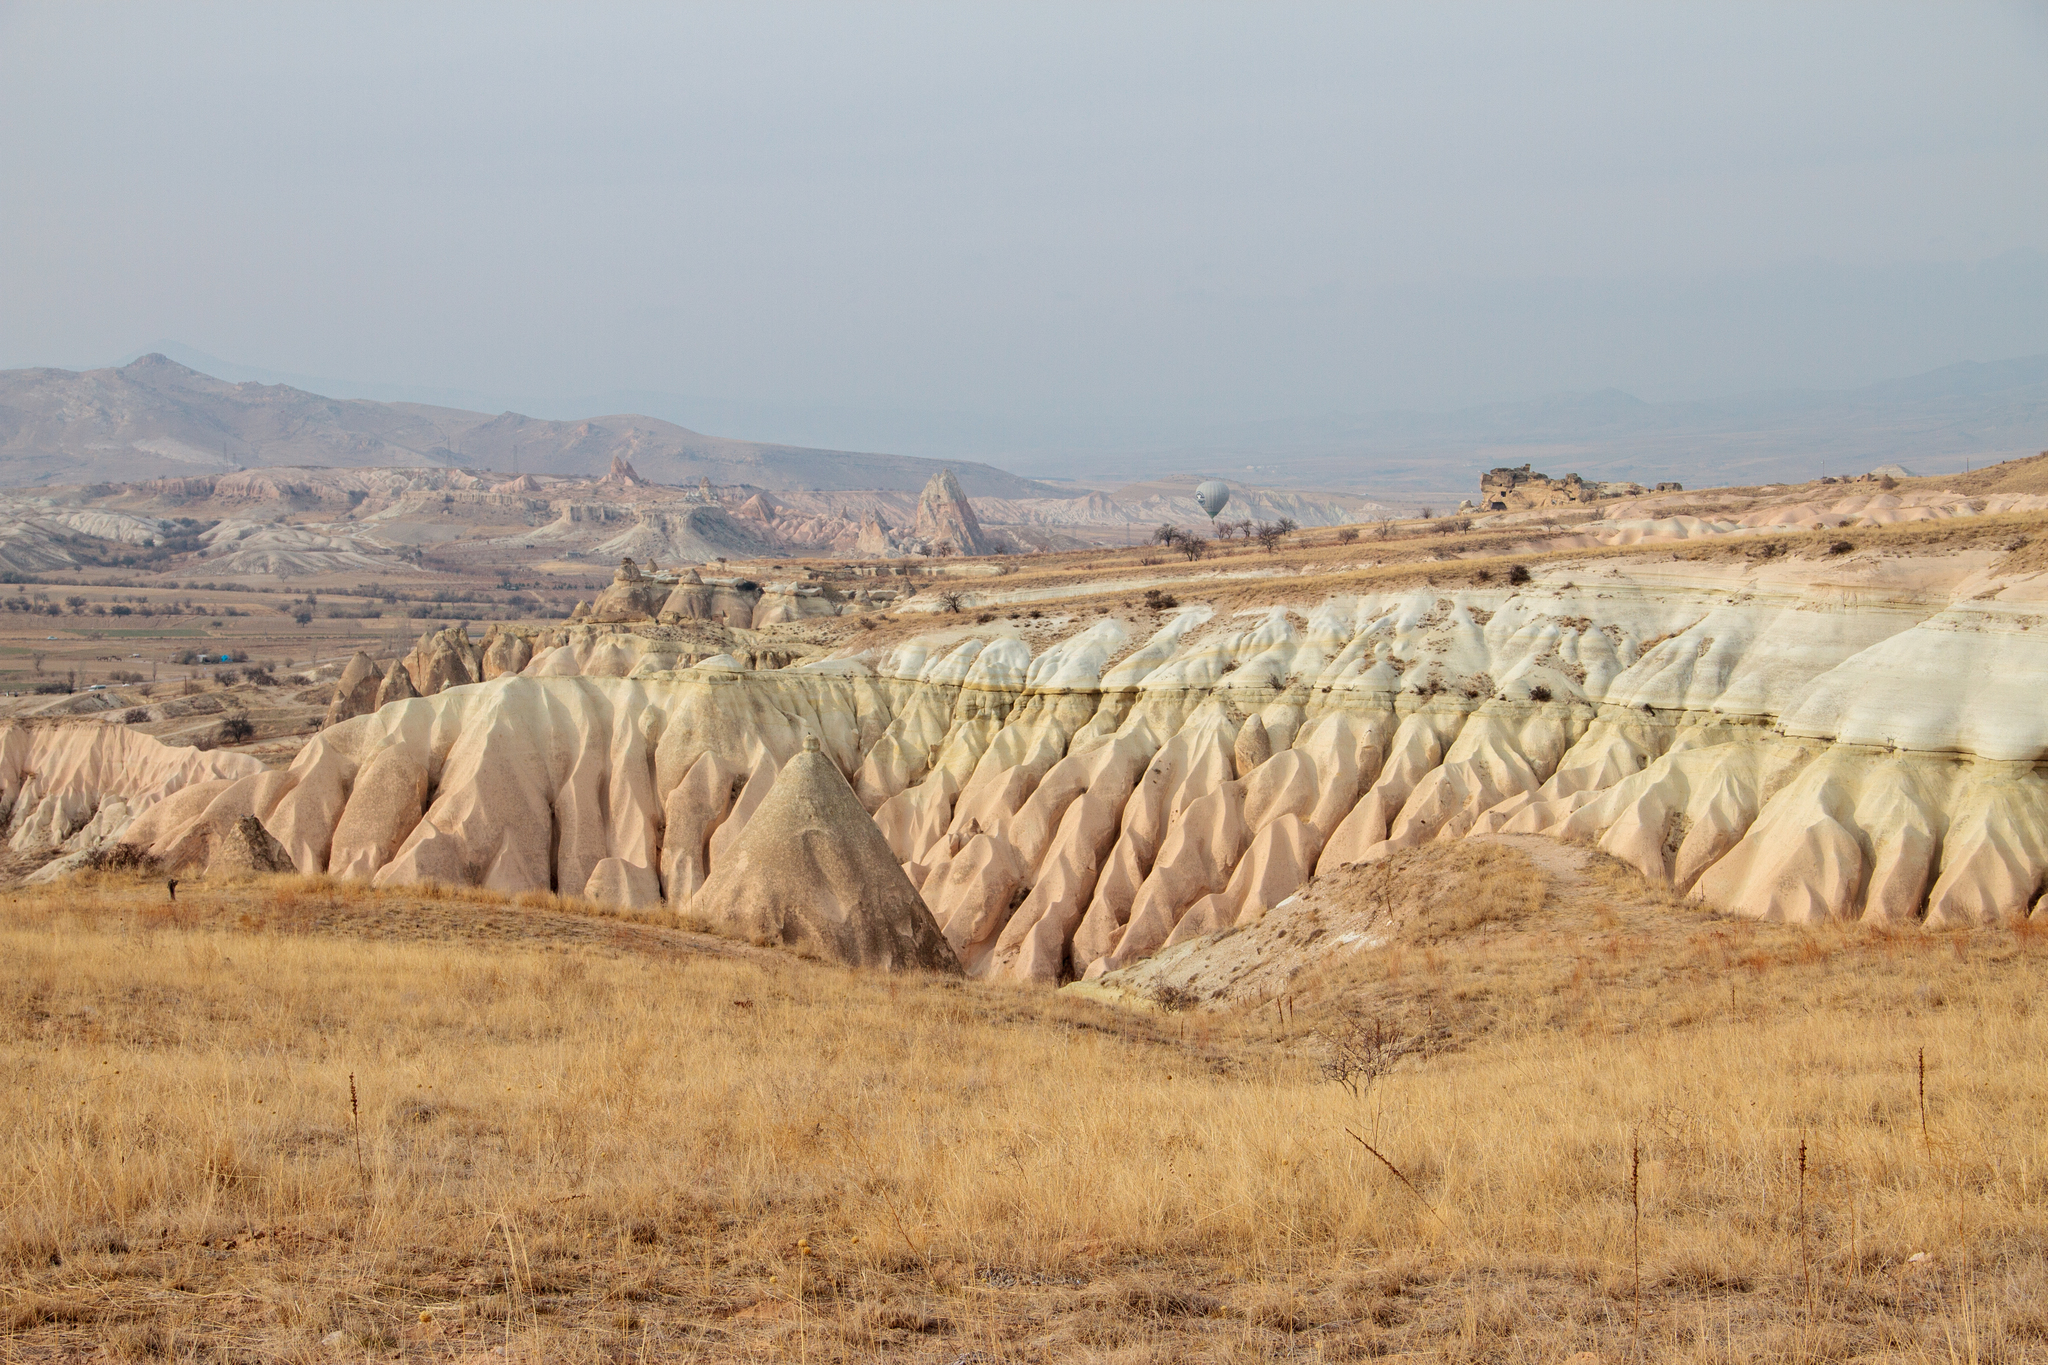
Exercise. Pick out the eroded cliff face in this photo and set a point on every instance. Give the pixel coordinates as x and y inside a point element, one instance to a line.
<point>1798,742</point>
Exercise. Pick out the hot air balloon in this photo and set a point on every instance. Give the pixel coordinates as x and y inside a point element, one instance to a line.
<point>1211,495</point>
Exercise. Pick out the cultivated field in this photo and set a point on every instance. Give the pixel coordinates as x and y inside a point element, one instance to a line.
<point>297,1120</point>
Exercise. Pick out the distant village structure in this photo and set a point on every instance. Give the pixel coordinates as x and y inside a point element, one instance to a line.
<point>1520,489</point>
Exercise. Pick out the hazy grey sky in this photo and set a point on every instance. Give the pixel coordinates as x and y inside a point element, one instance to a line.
<point>1101,213</point>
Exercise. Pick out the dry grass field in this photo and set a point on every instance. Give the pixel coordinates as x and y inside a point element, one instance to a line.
<point>295,1120</point>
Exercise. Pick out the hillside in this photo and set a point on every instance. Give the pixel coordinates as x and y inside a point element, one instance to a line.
<point>156,418</point>
<point>298,1119</point>
<point>1658,894</point>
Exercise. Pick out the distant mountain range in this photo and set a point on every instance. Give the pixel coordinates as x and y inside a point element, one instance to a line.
<point>154,417</point>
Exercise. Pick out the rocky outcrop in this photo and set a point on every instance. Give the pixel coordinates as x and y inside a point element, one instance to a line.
<point>875,538</point>
<point>621,474</point>
<point>1518,489</point>
<point>812,873</point>
<point>443,659</point>
<point>505,651</point>
<point>246,849</point>
<point>397,684</point>
<point>355,693</point>
<point>631,596</point>
<point>1854,738</point>
<point>69,788</point>
<point>945,517</point>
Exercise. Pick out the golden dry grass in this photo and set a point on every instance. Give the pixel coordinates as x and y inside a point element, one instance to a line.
<point>615,1144</point>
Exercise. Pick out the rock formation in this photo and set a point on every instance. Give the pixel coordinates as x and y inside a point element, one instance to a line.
<point>1518,488</point>
<point>811,872</point>
<point>72,788</point>
<point>397,684</point>
<point>443,659</point>
<point>945,517</point>
<point>245,849</point>
<point>623,474</point>
<point>1854,737</point>
<point>355,693</point>
<point>505,651</point>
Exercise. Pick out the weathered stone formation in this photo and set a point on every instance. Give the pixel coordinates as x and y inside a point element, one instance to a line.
<point>630,596</point>
<point>1517,489</point>
<point>738,602</point>
<point>876,537</point>
<point>245,848</point>
<point>812,873</point>
<point>505,651</point>
<point>945,517</point>
<point>623,474</point>
<point>443,659</point>
<point>397,684</point>
<point>63,788</point>
<point>1849,738</point>
<point>355,693</point>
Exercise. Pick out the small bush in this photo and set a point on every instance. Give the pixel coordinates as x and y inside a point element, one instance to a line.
<point>235,730</point>
<point>1840,547</point>
<point>1155,600</point>
<point>1347,535</point>
<point>1539,693</point>
<point>1518,575</point>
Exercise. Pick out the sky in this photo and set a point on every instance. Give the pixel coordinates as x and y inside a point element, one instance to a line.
<point>975,225</point>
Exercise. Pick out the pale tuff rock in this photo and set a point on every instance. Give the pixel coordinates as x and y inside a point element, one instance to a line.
<point>812,873</point>
<point>506,651</point>
<point>397,685</point>
<point>356,692</point>
<point>944,516</point>
<point>875,537</point>
<point>623,475</point>
<point>1253,746</point>
<point>246,849</point>
<point>1790,741</point>
<point>384,806</point>
<point>444,659</point>
<point>57,781</point>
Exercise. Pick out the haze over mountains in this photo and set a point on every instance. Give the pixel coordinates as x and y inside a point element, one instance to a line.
<point>1973,413</point>
<point>154,417</point>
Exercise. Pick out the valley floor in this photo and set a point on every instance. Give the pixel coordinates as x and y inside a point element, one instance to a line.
<point>297,1119</point>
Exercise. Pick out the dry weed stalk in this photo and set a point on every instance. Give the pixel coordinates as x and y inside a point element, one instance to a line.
<point>1635,1232</point>
<point>355,1120</point>
<point>1406,1183</point>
